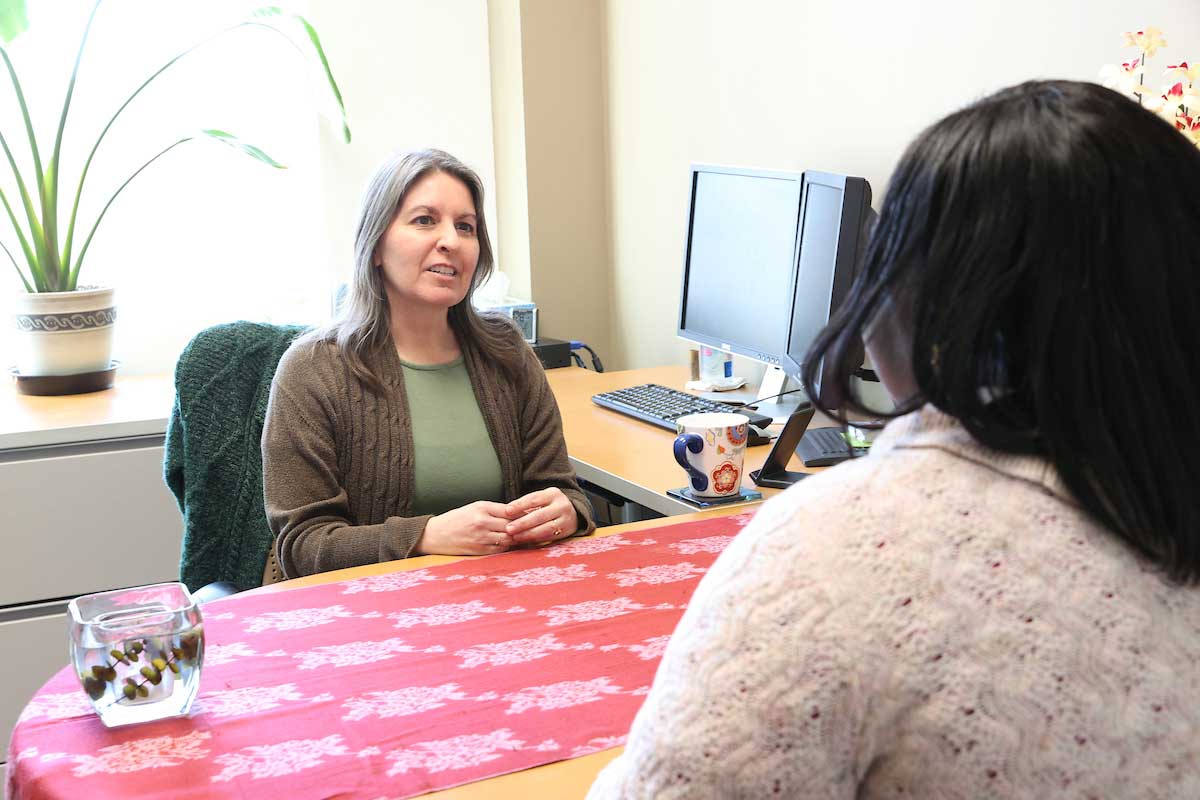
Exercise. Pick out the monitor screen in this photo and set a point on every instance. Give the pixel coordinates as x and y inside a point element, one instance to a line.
<point>832,215</point>
<point>740,254</point>
<point>769,256</point>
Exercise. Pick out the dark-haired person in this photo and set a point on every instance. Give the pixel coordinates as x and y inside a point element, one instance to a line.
<point>413,424</point>
<point>1001,600</point>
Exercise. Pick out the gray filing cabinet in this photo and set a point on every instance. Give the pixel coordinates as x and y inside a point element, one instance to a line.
<point>85,509</point>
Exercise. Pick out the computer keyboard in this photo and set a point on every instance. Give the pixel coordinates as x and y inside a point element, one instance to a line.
<point>662,405</point>
<point>824,447</point>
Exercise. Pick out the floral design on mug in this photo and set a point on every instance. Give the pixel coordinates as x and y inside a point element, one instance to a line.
<point>710,437</point>
<point>725,478</point>
<point>736,434</point>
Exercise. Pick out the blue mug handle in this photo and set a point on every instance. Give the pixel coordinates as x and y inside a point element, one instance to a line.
<point>693,442</point>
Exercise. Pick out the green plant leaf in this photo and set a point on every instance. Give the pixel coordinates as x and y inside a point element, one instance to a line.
<point>73,278</point>
<point>13,19</point>
<point>245,147</point>
<point>50,179</point>
<point>66,257</point>
<point>35,269</point>
<point>47,251</point>
<point>17,267</point>
<point>315,39</point>
<point>53,269</point>
<point>36,235</point>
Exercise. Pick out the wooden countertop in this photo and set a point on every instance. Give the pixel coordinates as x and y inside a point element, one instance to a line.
<point>135,406</point>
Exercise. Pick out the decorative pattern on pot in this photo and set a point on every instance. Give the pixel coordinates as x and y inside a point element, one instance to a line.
<point>57,323</point>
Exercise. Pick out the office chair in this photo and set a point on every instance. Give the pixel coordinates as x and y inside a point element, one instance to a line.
<point>213,457</point>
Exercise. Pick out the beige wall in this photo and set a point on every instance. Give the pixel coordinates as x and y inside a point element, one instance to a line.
<point>402,93</point>
<point>800,84</point>
<point>508,126</point>
<point>548,87</point>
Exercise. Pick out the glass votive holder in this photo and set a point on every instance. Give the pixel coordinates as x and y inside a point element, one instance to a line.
<point>138,651</point>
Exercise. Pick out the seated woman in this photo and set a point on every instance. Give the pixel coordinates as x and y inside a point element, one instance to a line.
<point>413,424</point>
<point>1001,599</point>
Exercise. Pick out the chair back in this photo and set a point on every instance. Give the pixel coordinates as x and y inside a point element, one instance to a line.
<point>213,458</point>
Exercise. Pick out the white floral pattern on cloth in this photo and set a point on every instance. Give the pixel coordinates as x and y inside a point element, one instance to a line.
<point>490,658</point>
<point>28,752</point>
<point>355,653</point>
<point>592,546</point>
<point>283,758</point>
<point>657,573</point>
<point>443,614</point>
<point>589,611</point>
<point>295,619</point>
<point>139,754</point>
<point>401,702</point>
<point>650,648</point>
<point>598,744</point>
<point>564,694</point>
<point>246,700</point>
<point>391,582</point>
<point>545,576</point>
<point>707,544</point>
<point>61,705</point>
<point>515,651</point>
<point>457,752</point>
<point>215,654</point>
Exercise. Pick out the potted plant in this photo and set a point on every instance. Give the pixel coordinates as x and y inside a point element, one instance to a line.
<point>65,327</point>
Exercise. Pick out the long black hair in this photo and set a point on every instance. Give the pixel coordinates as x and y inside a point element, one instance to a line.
<point>1045,245</point>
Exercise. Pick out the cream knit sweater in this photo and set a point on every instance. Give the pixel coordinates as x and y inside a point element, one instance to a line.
<point>934,621</point>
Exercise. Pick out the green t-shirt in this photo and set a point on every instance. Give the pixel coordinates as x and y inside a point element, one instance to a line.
<point>454,460</point>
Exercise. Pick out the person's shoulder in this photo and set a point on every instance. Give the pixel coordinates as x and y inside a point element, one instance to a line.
<point>311,356</point>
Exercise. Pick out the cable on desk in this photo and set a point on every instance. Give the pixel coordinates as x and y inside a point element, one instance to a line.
<point>575,357</point>
<point>578,345</point>
<point>861,373</point>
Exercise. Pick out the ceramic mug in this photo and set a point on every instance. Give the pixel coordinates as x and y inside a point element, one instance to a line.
<point>712,448</point>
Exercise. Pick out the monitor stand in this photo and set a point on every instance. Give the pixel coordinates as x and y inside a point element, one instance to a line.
<point>773,382</point>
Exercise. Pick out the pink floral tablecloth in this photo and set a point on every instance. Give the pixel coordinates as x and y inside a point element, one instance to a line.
<point>395,685</point>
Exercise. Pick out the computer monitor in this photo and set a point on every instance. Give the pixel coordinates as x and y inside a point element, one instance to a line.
<point>834,210</point>
<point>768,256</point>
<point>739,259</point>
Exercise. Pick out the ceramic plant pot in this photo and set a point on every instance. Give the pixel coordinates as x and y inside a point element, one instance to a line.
<point>64,333</point>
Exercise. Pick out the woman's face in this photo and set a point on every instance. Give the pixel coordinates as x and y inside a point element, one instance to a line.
<point>429,252</point>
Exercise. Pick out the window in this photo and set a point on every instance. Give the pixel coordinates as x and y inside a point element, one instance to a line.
<point>207,235</point>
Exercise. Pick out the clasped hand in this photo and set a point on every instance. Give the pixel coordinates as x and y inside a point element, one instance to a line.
<point>483,527</point>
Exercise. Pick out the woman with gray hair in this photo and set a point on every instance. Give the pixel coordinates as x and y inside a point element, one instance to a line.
<point>413,424</point>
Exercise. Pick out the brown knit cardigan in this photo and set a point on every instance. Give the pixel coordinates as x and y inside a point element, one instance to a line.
<point>338,457</point>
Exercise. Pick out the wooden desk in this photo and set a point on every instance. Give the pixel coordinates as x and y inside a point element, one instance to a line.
<point>134,406</point>
<point>625,455</point>
<point>561,779</point>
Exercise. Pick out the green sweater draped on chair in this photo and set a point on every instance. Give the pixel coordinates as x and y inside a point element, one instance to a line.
<point>213,460</point>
